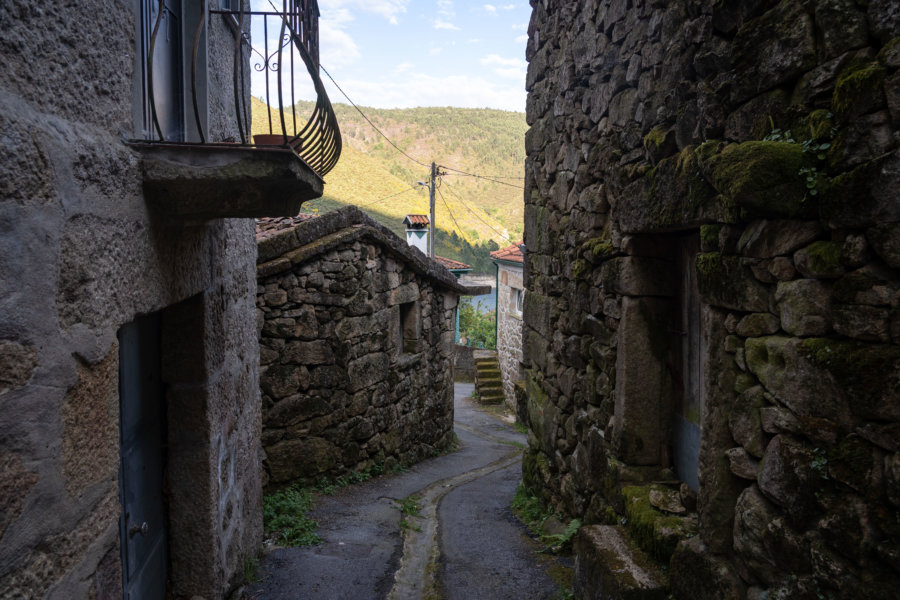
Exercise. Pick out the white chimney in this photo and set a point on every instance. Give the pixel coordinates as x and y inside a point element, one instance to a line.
<point>417,227</point>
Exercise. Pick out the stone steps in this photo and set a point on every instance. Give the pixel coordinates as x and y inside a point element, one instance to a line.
<point>488,382</point>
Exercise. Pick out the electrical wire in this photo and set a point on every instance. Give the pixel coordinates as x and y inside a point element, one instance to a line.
<point>494,179</point>
<point>460,172</point>
<point>411,189</point>
<point>450,212</point>
<point>369,121</point>
<point>471,210</point>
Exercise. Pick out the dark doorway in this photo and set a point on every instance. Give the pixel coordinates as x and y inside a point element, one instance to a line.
<point>142,414</point>
<point>689,411</point>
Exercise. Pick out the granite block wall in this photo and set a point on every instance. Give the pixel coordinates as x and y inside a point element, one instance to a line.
<point>712,207</point>
<point>356,346</point>
<point>81,255</point>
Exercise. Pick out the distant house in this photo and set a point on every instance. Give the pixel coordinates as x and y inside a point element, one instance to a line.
<point>356,347</point>
<point>510,299</point>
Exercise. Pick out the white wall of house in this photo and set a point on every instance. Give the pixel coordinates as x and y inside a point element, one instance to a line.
<point>510,296</point>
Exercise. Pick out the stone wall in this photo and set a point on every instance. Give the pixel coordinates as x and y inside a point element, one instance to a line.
<point>509,330</point>
<point>81,255</point>
<point>712,214</point>
<point>356,344</point>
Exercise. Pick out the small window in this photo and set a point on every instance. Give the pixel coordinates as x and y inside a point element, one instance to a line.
<point>409,327</point>
<point>518,299</point>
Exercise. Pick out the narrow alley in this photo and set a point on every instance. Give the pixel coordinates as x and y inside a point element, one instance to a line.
<point>464,543</point>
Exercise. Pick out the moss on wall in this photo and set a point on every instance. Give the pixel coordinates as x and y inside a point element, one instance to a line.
<point>761,177</point>
<point>656,533</point>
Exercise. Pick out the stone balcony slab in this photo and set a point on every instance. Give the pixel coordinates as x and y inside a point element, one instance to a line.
<point>225,180</point>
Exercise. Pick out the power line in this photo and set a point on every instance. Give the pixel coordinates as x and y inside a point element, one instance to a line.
<point>369,121</point>
<point>460,172</point>
<point>450,212</point>
<point>471,210</point>
<point>494,179</point>
<point>411,189</point>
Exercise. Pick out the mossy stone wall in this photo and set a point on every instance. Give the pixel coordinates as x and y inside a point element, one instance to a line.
<point>767,131</point>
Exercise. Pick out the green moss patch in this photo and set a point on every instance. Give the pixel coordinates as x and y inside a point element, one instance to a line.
<point>709,236</point>
<point>824,257</point>
<point>656,533</point>
<point>856,87</point>
<point>761,177</point>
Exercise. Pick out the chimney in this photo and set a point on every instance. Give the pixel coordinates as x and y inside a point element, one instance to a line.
<point>417,227</point>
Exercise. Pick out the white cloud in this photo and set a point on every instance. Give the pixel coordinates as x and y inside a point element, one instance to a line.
<point>441,24</point>
<point>521,39</point>
<point>507,68</point>
<point>336,44</point>
<point>509,7</point>
<point>497,60</point>
<point>403,67</point>
<point>445,8</point>
<point>520,26</point>
<point>420,89</point>
<point>389,9</point>
<point>445,15</point>
<point>490,9</point>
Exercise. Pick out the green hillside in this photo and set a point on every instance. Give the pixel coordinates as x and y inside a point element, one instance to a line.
<point>374,176</point>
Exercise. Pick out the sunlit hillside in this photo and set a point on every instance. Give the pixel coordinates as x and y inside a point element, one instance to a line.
<point>376,177</point>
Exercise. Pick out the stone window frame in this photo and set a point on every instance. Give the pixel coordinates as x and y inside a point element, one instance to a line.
<point>409,327</point>
<point>517,301</point>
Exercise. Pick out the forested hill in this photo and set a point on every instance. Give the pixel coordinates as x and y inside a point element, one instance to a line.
<point>473,215</point>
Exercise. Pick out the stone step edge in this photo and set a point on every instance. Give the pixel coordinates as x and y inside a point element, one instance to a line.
<point>609,564</point>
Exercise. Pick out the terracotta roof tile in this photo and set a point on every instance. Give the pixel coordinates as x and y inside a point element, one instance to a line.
<point>416,221</point>
<point>268,226</point>
<point>451,264</point>
<point>511,253</point>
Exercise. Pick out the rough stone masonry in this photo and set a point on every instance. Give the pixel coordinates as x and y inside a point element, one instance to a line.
<point>712,331</point>
<point>356,347</point>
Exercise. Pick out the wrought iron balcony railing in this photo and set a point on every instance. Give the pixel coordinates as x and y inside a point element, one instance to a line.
<point>279,44</point>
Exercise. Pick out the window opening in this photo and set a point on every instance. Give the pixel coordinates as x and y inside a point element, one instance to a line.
<point>409,327</point>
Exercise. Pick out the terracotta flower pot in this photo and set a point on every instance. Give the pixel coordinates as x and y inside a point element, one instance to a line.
<point>269,139</point>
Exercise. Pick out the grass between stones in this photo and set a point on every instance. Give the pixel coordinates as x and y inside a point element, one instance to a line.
<point>285,517</point>
<point>548,530</point>
<point>286,520</point>
<point>409,507</point>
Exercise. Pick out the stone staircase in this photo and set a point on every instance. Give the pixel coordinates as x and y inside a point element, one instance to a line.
<point>488,382</point>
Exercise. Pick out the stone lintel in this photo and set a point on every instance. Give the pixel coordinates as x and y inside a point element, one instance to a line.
<point>219,181</point>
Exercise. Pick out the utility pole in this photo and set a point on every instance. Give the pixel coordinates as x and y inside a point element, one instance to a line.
<point>434,174</point>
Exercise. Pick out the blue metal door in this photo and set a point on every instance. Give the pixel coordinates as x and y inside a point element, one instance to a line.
<point>689,413</point>
<point>142,526</point>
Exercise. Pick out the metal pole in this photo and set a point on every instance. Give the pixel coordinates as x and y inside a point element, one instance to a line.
<point>431,206</point>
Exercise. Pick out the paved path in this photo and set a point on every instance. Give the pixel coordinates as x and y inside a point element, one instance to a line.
<point>468,544</point>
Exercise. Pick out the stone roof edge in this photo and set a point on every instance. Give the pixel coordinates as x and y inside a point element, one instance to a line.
<point>323,233</point>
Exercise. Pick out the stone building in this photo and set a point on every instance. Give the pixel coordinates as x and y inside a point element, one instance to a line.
<point>356,344</point>
<point>711,314</point>
<point>510,300</point>
<point>129,398</point>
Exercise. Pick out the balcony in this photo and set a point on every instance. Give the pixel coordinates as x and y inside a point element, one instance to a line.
<point>276,153</point>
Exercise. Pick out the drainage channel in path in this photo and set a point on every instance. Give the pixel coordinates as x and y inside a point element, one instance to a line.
<point>464,543</point>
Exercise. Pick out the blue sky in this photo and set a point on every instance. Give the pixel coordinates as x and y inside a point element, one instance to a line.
<point>406,53</point>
